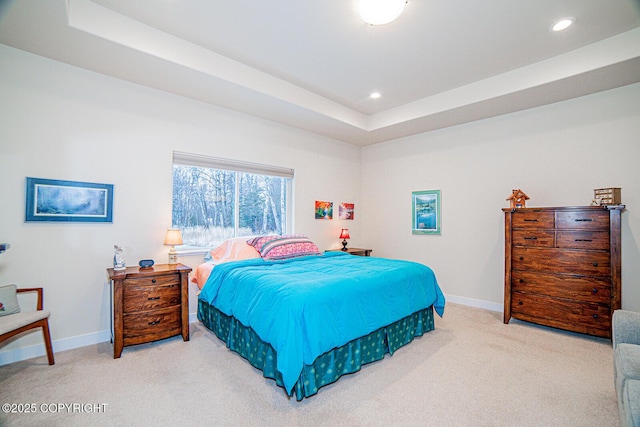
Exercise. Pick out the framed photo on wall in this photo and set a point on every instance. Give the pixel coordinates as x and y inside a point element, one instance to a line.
<point>69,201</point>
<point>425,212</point>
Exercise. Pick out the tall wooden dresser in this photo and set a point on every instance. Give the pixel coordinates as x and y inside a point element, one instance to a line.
<point>563,267</point>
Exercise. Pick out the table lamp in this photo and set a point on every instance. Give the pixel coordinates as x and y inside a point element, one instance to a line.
<point>173,238</point>
<point>344,235</point>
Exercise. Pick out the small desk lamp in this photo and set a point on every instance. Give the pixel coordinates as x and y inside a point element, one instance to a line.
<point>173,238</point>
<point>344,234</point>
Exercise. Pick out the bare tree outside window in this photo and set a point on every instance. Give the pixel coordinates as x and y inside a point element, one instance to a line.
<point>212,205</point>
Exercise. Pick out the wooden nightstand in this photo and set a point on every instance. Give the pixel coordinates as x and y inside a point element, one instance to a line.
<point>149,304</point>
<point>354,251</point>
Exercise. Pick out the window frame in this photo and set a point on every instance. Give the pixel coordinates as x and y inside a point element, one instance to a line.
<point>236,166</point>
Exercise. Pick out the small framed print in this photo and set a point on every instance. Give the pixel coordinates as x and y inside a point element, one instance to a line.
<point>68,201</point>
<point>426,212</point>
<point>324,210</point>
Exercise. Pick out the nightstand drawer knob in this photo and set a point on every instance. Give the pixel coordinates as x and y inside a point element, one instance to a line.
<point>154,323</point>
<point>595,316</point>
<point>521,258</point>
<point>595,290</point>
<point>153,280</point>
<point>153,298</point>
<point>595,264</point>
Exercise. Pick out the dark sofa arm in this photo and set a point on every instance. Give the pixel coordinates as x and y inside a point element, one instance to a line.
<point>625,327</point>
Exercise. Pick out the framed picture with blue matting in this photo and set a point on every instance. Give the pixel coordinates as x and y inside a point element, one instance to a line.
<point>68,201</point>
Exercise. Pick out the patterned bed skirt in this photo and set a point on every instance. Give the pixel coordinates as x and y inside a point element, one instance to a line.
<point>328,367</point>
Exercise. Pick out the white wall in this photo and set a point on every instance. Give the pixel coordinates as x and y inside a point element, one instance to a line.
<point>556,154</point>
<point>62,122</point>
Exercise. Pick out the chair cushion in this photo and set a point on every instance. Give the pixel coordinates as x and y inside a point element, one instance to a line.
<point>631,402</point>
<point>18,320</point>
<point>628,360</point>
<point>8,300</point>
<point>627,382</point>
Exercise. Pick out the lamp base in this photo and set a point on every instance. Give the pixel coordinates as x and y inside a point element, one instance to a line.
<point>173,256</point>
<point>344,245</point>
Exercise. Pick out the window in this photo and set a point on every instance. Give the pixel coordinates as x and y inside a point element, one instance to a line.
<point>217,199</point>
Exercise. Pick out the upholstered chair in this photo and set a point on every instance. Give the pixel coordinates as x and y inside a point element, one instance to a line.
<point>14,321</point>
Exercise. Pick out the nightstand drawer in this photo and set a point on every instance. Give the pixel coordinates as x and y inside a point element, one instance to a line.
<point>137,298</point>
<point>151,325</point>
<point>166,279</point>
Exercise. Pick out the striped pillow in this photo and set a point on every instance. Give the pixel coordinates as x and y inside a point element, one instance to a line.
<point>283,247</point>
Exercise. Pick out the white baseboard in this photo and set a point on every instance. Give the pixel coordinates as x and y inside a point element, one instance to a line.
<point>492,306</point>
<point>37,350</point>
<point>29,352</point>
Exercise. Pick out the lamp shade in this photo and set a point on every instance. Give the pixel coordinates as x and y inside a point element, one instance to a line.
<point>344,234</point>
<point>380,12</point>
<point>173,237</point>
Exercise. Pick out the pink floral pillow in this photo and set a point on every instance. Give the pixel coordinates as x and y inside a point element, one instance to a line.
<point>283,247</point>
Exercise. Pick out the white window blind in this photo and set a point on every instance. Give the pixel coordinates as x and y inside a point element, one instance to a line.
<point>189,159</point>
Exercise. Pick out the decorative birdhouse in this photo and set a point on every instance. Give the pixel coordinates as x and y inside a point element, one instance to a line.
<point>517,198</point>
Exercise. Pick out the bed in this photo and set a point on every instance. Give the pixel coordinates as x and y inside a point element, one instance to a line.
<point>306,318</point>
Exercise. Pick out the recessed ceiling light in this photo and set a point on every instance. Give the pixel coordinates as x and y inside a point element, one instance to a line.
<point>375,95</point>
<point>562,24</point>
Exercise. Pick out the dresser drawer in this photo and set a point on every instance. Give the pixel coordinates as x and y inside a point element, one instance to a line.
<point>595,240</point>
<point>587,289</point>
<point>532,219</point>
<point>151,325</point>
<point>533,238</point>
<point>558,260</point>
<point>592,220</point>
<point>590,318</point>
<point>137,298</point>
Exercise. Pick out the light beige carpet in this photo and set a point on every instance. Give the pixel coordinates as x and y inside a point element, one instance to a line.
<point>471,371</point>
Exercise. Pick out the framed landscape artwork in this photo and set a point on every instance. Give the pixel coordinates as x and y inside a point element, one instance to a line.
<point>426,212</point>
<point>70,201</point>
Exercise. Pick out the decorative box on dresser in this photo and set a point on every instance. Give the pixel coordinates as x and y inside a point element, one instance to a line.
<point>149,304</point>
<point>563,267</point>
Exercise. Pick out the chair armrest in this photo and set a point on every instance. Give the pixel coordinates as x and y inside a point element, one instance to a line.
<point>625,327</point>
<point>40,303</point>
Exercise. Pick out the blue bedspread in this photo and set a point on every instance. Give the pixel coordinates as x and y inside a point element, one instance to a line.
<point>307,306</point>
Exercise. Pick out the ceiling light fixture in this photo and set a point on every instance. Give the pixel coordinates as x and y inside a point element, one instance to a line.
<point>562,24</point>
<point>380,12</point>
<point>375,95</point>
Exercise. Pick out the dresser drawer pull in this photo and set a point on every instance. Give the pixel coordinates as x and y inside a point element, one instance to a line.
<point>594,290</point>
<point>521,280</point>
<point>595,316</point>
<point>154,323</point>
<point>530,220</point>
<point>584,240</point>
<point>530,238</point>
<point>521,258</point>
<point>595,264</point>
<point>153,298</point>
<point>153,280</point>
<point>584,219</point>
